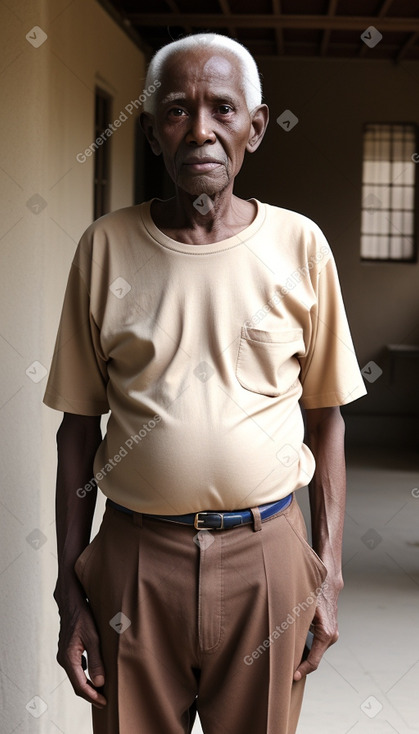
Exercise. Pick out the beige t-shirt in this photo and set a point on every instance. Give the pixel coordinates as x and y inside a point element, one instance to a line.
<point>202,353</point>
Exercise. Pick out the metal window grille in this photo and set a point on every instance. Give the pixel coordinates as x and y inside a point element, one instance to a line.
<point>388,226</point>
<point>101,189</point>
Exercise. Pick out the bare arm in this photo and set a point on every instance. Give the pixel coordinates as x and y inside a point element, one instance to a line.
<point>327,492</point>
<point>77,441</point>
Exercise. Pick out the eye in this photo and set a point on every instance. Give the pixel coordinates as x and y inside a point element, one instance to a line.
<point>225,109</point>
<point>177,112</point>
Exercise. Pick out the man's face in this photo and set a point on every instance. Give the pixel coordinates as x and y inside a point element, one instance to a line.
<point>201,123</point>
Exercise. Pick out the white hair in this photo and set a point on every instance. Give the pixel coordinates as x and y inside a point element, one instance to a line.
<point>252,87</point>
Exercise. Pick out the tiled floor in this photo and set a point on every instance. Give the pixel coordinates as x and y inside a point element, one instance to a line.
<point>369,681</point>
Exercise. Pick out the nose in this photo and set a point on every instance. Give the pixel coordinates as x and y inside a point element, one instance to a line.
<point>201,130</point>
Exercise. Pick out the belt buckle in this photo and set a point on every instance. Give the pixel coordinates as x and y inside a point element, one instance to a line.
<point>198,520</point>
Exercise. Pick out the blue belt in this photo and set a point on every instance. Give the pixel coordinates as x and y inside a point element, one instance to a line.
<point>215,520</point>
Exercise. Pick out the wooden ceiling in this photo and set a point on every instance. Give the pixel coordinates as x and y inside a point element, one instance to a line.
<point>283,28</point>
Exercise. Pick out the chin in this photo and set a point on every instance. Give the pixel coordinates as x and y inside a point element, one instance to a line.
<point>202,185</point>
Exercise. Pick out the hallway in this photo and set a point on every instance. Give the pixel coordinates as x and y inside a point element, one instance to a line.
<point>369,681</point>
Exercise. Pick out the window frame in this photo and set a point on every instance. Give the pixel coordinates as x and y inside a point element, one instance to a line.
<point>102,155</point>
<point>415,235</point>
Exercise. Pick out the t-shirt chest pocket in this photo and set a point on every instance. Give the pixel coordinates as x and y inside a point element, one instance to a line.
<point>267,361</point>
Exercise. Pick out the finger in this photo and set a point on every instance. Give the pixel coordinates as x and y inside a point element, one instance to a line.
<point>304,669</point>
<point>82,686</point>
<point>311,663</point>
<point>95,664</point>
<point>85,688</point>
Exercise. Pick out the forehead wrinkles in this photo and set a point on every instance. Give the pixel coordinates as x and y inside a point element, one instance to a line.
<point>185,70</point>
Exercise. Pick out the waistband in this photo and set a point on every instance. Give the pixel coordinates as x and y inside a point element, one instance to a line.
<point>214,520</point>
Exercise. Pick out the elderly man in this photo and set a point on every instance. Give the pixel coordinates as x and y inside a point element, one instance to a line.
<point>204,324</point>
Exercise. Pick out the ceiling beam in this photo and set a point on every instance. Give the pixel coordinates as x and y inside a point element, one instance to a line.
<point>297,49</point>
<point>363,49</point>
<point>279,36</point>
<point>257,20</point>
<point>172,5</point>
<point>385,6</point>
<point>326,34</point>
<point>407,45</point>
<point>225,9</point>
<point>175,9</point>
<point>123,21</point>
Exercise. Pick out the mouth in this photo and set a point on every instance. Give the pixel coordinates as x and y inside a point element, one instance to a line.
<point>201,165</point>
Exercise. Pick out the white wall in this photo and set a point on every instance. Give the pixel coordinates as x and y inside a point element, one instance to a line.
<point>47,117</point>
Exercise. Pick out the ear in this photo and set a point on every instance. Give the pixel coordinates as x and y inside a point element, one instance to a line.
<point>260,119</point>
<point>147,124</point>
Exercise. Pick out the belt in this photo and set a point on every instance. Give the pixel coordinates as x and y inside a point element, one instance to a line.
<point>215,520</point>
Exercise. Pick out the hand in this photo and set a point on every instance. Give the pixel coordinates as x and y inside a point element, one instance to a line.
<point>324,626</point>
<point>77,634</point>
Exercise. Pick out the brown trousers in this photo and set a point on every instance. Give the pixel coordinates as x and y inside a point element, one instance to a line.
<point>210,620</point>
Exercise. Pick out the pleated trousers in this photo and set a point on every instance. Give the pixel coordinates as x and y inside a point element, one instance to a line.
<point>207,621</point>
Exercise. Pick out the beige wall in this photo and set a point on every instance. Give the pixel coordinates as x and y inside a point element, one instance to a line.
<point>47,118</point>
<point>316,169</point>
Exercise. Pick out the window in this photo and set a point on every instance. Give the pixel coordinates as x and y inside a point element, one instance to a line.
<point>103,114</point>
<point>388,228</point>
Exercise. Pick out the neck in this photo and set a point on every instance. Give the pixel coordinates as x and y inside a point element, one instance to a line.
<point>202,219</point>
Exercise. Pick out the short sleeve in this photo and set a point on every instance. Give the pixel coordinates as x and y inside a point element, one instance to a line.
<point>78,376</point>
<point>330,373</point>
